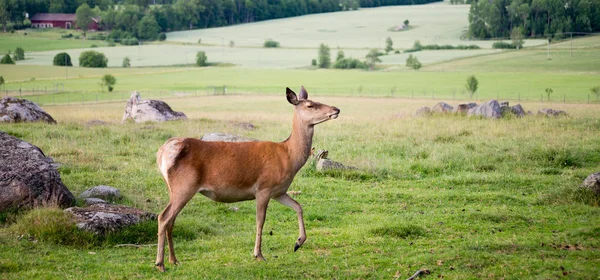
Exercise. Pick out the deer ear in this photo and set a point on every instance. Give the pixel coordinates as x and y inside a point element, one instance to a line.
<point>291,96</point>
<point>303,93</point>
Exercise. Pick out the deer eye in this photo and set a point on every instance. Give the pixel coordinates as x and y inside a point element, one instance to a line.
<point>310,106</point>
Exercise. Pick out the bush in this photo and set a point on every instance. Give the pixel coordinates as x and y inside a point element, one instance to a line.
<point>313,62</point>
<point>503,45</point>
<point>271,44</point>
<point>93,46</point>
<point>126,62</point>
<point>97,36</point>
<point>66,36</point>
<point>324,56</point>
<point>130,42</point>
<point>19,54</point>
<point>62,59</point>
<point>93,59</point>
<point>76,37</point>
<point>109,81</point>
<point>117,35</point>
<point>201,59</point>
<point>7,60</point>
<point>349,63</point>
<point>162,36</point>
<point>111,44</point>
<point>413,62</point>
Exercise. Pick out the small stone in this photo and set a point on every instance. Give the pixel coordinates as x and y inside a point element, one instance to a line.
<point>103,192</point>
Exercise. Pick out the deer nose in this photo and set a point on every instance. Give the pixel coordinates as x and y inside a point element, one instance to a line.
<point>336,109</point>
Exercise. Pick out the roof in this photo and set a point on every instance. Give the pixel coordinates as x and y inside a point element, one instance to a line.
<point>53,17</point>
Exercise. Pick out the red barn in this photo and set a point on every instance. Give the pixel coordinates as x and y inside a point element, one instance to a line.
<point>64,21</point>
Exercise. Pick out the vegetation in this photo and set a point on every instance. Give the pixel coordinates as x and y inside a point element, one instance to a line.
<point>496,19</point>
<point>19,54</point>
<point>503,45</point>
<point>62,59</point>
<point>108,81</point>
<point>92,59</point>
<point>313,62</point>
<point>413,62</point>
<point>549,91</point>
<point>596,91</point>
<point>148,28</point>
<point>472,85</point>
<point>7,60</point>
<point>516,35</point>
<point>270,43</point>
<point>417,46</point>
<point>372,58</point>
<point>201,59</point>
<point>2,81</point>
<point>389,45</point>
<point>324,56</point>
<point>84,16</point>
<point>126,62</point>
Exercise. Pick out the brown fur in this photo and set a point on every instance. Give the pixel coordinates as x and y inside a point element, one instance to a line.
<point>231,172</point>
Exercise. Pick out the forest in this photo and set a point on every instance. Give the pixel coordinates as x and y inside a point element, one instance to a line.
<point>533,18</point>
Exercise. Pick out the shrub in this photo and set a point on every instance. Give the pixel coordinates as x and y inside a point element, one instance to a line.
<point>19,54</point>
<point>200,41</point>
<point>162,36</point>
<point>413,62</point>
<point>66,36</point>
<point>93,59</point>
<point>93,46</point>
<point>324,56</point>
<point>97,36</point>
<point>201,59</point>
<point>271,44</point>
<point>503,45</point>
<point>109,81</point>
<point>130,41</point>
<point>313,62</point>
<point>62,59</point>
<point>7,60</point>
<point>340,55</point>
<point>126,62</point>
<point>117,35</point>
<point>111,44</point>
<point>349,63</point>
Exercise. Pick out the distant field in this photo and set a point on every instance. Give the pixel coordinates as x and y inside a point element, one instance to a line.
<point>43,40</point>
<point>438,23</point>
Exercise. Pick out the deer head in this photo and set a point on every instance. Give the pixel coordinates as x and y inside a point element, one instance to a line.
<point>310,112</point>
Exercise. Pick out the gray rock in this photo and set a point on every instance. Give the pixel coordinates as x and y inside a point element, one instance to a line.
<point>423,112</point>
<point>104,218</point>
<point>93,200</point>
<point>149,110</point>
<point>21,110</point>
<point>327,164</point>
<point>551,113</point>
<point>224,137</point>
<point>102,192</point>
<point>472,105</point>
<point>517,110</point>
<point>442,107</point>
<point>462,109</point>
<point>490,110</point>
<point>28,178</point>
<point>592,182</point>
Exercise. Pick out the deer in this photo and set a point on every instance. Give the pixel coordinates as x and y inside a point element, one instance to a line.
<point>239,171</point>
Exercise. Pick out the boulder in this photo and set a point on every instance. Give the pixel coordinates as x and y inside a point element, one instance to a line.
<point>327,164</point>
<point>20,110</point>
<point>505,108</point>
<point>28,178</point>
<point>149,110</point>
<point>592,182</point>
<point>517,110</point>
<point>104,218</point>
<point>102,192</point>
<point>462,109</point>
<point>224,137</point>
<point>423,112</point>
<point>92,201</point>
<point>442,107</point>
<point>490,109</point>
<point>551,113</point>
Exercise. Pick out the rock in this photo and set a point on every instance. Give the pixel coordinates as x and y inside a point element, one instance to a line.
<point>245,125</point>
<point>442,107</point>
<point>93,200</point>
<point>224,137</point>
<point>104,218</point>
<point>102,192</point>
<point>551,113</point>
<point>423,112</point>
<point>505,108</point>
<point>517,110</point>
<point>28,178</point>
<point>490,109</point>
<point>461,109</point>
<point>20,110</point>
<point>592,182</point>
<point>149,110</point>
<point>327,164</point>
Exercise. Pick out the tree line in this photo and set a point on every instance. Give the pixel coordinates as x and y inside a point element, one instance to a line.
<point>173,15</point>
<point>532,18</point>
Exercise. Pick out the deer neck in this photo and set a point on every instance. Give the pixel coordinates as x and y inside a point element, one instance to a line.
<point>299,143</point>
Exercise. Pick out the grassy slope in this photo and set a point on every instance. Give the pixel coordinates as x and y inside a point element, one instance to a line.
<point>465,198</point>
<point>43,40</point>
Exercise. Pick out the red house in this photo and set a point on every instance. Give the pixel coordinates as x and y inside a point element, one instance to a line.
<point>64,21</point>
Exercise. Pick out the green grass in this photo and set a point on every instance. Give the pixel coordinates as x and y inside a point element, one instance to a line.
<point>43,40</point>
<point>464,198</point>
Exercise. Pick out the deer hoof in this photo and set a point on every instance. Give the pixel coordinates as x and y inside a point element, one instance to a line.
<point>160,267</point>
<point>260,258</point>
<point>296,247</point>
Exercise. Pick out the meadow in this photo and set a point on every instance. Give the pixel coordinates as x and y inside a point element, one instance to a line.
<point>461,197</point>
<point>35,40</point>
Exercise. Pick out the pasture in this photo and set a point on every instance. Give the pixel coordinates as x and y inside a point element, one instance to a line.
<point>35,40</point>
<point>464,198</point>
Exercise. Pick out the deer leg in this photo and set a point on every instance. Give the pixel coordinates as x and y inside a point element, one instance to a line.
<point>288,201</point>
<point>262,202</point>
<point>162,224</point>
<point>172,258</point>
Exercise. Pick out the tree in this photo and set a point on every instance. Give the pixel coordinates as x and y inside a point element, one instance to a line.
<point>324,56</point>
<point>413,62</point>
<point>201,59</point>
<point>516,35</point>
<point>596,91</point>
<point>92,59</point>
<point>83,17</point>
<point>472,85</point>
<point>1,81</point>
<point>108,81</point>
<point>62,59</point>
<point>549,91</point>
<point>340,55</point>
<point>373,58</point>
<point>406,22</point>
<point>269,43</point>
<point>7,60</point>
<point>388,45</point>
<point>147,28</point>
<point>126,62</point>
<point>19,53</point>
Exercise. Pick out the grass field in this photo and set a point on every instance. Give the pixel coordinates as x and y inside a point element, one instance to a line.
<point>464,198</point>
<point>43,40</point>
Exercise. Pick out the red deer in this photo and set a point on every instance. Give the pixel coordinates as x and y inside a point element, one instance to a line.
<point>231,172</point>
